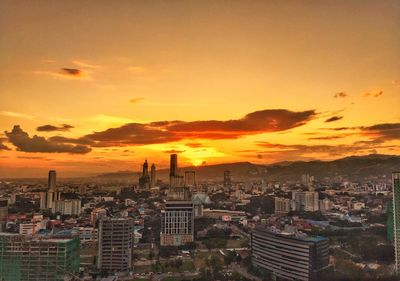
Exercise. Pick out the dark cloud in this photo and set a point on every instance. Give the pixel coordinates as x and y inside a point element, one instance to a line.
<point>60,139</point>
<point>23,142</point>
<point>253,123</point>
<point>194,144</point>
<point>384,131</point>
<point>71,71</point>
<point>2,145</point>
<point>302,150</point>
<point>333,119</point>
<point>340,95</point>
<point>169,131</point>
<point>51,128</point>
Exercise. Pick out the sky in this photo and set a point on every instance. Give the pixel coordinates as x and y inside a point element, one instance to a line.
<point>89,87</point>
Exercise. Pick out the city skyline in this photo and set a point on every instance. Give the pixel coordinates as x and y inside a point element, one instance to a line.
<point>86,91</point>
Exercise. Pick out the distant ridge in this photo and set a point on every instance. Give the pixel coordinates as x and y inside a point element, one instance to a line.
<point>351,168</point>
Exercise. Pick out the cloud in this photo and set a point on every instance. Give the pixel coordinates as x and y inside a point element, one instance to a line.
<point>23,142</point>
<point>376,94</point>
<point>396,82</point>
<point>17,114</point>
<point>169,131</point>
<point>333,119</point>
<point>135,100</point>
<point>194,144</point>
<point>263,121</point>
<point>3,146</point>
<point>324,150</point>
<point>384,131</point>
<point>51,128</point>
<point>67,74</point>
<point>340,95</point>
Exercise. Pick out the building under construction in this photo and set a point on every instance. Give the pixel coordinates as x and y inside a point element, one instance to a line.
<point>33,258</point>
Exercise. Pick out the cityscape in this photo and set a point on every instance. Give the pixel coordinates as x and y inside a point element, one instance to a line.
<point>199,140</point>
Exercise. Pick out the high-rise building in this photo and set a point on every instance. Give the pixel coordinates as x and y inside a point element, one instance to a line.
<point>190,179</point>
<point>175,180</point>
<point>144,180</point>
<point>30,258</point>
<point>307,201</point>
<point>116,236</point>
<point>177,223</point>
<point>289,256</point>
<point>48,197</point>
<point>51,185</point>
<point>396,218</point>
<point>3,214</point>
<point>67,207</point>
<point>227,179</point>
<point>153,177</point>
<point>389,221</point>
<point>282,205</point>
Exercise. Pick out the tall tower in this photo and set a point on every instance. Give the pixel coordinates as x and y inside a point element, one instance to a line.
<point>173,165</point>
<point>144,180</point>
<point>51,194</point>
<point>153,175</point>
<point>396,217</point>
<point>227,179</point>
<point>51,184</point>
<point>145,171</point>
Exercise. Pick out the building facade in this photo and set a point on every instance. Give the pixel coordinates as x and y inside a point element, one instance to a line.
<point>282,205</point>
<point>289,256</point>
<point>396,218</point>
<point>116,236</point>
<point>177,223</point>
<point>29,258</point>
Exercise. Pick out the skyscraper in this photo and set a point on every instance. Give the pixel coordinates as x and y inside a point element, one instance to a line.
<point>227,179</point>
<point>396,218</point>
<point>190,179</point>
<point>3,214</point>
<point>153,177</point>
<point>48,197</point>
<point>144,180</point>
<point>175,180</point>
<point>116,244</point>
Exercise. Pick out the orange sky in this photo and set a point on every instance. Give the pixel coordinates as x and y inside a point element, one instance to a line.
<point>99,86</point>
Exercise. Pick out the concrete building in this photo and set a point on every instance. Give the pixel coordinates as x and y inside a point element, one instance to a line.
<point>227,179</point>
<point>115,252</point>
<point>30,258</point>
<point>289,256</point>
<point>396,218</point>
<point>305,201</point>
<point>144,179</point>
<point>3,214</point>
<point>282,205</point>
<point>190,179</point>
<point>67,207</point>
<point>48,197</point>
<point>177,223</point>
<point>153,176</point>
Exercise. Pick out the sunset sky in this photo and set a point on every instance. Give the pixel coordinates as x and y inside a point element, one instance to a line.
<point>99,86</point>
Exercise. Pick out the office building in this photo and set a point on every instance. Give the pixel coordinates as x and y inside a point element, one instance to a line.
<point>48,197</point>
<point>282,205</point>
<point>308,181</point>
<point>153,176</point>
<point>175,180</point>
<point>307,201</point>
<point>3,214</point>
<point>67,207</point>
<point>190,179</point>
<point>227,179</point>
<point>177,223</point>
<point>115,252</point>
<point>396,218</point>
<point>144,179</point>
<point>30,258</point>
<point>289,256</point>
